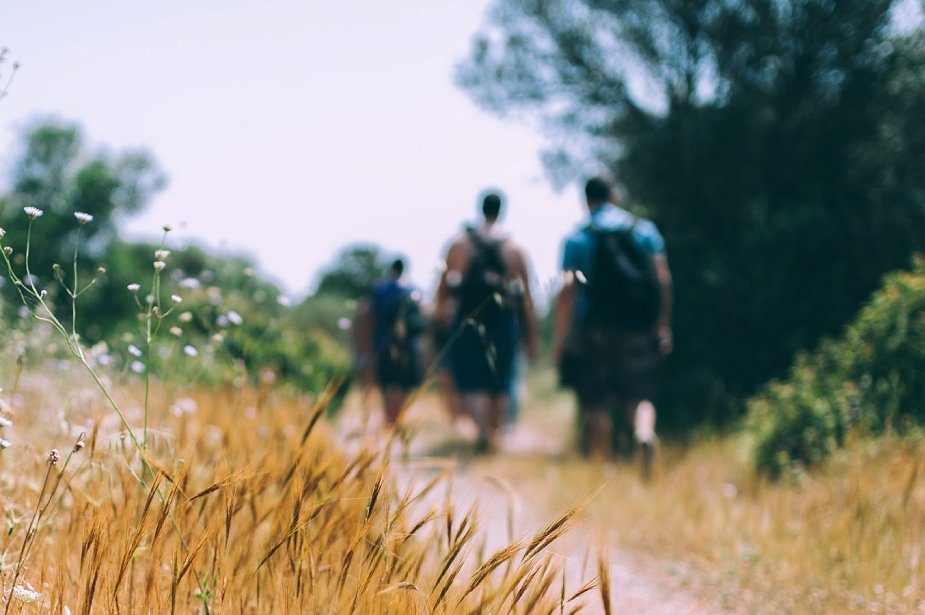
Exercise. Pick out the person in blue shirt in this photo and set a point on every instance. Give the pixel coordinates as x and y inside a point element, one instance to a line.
<point>392,329</point>
<point>613,370</point>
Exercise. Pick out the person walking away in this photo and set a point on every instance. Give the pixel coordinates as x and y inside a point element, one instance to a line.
<point>612,321</point>
<point>396,324</point>
<point>484,293</point>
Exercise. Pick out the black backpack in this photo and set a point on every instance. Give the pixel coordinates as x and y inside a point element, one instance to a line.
<point>482,292</point>
<point>623,290</point>
<point>404,323</point>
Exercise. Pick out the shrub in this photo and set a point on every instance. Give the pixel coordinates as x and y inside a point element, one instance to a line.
<point>869,381</point>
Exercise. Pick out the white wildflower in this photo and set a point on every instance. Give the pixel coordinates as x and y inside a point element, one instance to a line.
<point>2,233</point>
<point>218,338</point>
<point>161,254</point>
<point>5,422</point>
<point>53,456</point>
<point>190,283</point>
<point>134,350</point>
<point>344,324</point>
<point>33,212</point>
<point>159,265</point>
<point>184,405</point>
<point>138,367</point>
<point>190,351</point>
<point>222,320</point>
<point>133,287</point>
<point>176,298</point>
<point>5,443</point>
<point>176,331</point>
<point>185,317</point>
<point>235,318</point>
<point>83,218</point>
<point>28,596</point>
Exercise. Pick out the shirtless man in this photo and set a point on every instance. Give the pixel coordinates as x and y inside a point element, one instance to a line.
<point>484,296</point>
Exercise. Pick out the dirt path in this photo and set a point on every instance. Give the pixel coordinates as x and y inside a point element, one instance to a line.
<point>510,507</point>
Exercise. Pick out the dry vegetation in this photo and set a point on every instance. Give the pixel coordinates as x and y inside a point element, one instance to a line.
<point>245,505</point>
<point>846,538</point>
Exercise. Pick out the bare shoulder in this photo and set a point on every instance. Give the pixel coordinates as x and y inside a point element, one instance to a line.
<point>515,256</point>
<point>458,251</point>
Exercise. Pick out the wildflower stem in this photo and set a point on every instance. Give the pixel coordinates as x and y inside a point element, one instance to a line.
<point>27,538</point>
<point>74,292</point>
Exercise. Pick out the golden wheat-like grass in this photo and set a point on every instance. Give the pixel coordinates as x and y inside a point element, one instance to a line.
<point>247,512</point>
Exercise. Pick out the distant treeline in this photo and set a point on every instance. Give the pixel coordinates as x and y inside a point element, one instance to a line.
<point>226,306</point>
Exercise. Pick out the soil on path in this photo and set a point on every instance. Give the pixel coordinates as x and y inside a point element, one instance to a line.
<point>510,508</point>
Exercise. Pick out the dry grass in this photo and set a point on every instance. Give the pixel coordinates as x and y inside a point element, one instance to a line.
<point>245,505</point>
<point>848,538</point>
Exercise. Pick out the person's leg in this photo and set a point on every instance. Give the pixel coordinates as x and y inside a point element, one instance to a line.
<point>598,432</point>
<point>394,400</point>
<point>594,410</point>
<point>641,415</point>
<point>497,410</point>
<point>478,407</point>
<point>450,396</point>
<point>515,390</point>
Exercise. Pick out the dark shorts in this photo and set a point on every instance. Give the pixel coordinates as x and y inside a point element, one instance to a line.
<point>442,336</point>
<point>482,357</point>
<point>398,367</point>
<point>610,368</point>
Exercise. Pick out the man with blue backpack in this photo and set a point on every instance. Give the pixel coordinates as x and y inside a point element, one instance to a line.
<point>395,324</point>
<point>612,321</point>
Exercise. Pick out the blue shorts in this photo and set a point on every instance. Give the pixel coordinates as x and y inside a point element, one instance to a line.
<point>482,358</point>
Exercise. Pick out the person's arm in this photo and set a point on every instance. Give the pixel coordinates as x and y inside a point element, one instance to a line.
<point>531,329</point>
<point>452,266</point>
<point>566,298</point>
<point>665,339</point>
<point>564,313</point>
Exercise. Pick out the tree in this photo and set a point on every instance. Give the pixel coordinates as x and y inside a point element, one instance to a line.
<point>56,173</point>
<point>778,144</point>
<point>354,271</point>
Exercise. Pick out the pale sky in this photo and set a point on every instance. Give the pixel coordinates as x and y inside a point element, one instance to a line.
<point>288,128</point>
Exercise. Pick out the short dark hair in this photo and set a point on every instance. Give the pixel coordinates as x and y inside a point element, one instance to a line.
<point>598,190</point>
<point>491,205</point>
<point>397,267</point>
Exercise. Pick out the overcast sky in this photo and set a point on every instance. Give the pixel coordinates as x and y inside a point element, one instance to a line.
<point>288,128</point>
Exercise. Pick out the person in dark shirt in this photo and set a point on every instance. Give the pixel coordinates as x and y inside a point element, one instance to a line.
<point>393,327</point>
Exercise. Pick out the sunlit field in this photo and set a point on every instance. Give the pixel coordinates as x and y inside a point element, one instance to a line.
<point>708,535</point>
<point>244,502</point>
<point>254,500</point>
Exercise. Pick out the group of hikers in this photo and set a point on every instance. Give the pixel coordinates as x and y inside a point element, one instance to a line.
<point>611,325</point>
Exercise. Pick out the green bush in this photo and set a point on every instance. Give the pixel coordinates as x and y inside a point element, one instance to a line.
<point>869,381</point>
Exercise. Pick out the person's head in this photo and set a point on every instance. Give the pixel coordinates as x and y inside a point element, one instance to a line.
<point>598,191</point>
<point>491,206</point>
<point>397,268</point>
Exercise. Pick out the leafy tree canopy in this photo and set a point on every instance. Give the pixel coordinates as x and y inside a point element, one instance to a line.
<point>779,145</point>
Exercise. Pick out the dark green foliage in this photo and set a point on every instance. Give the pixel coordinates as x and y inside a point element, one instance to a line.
<point>57,174</point>
<point>779,146</point>
<point>353,272</point>
<point>870,380</point>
